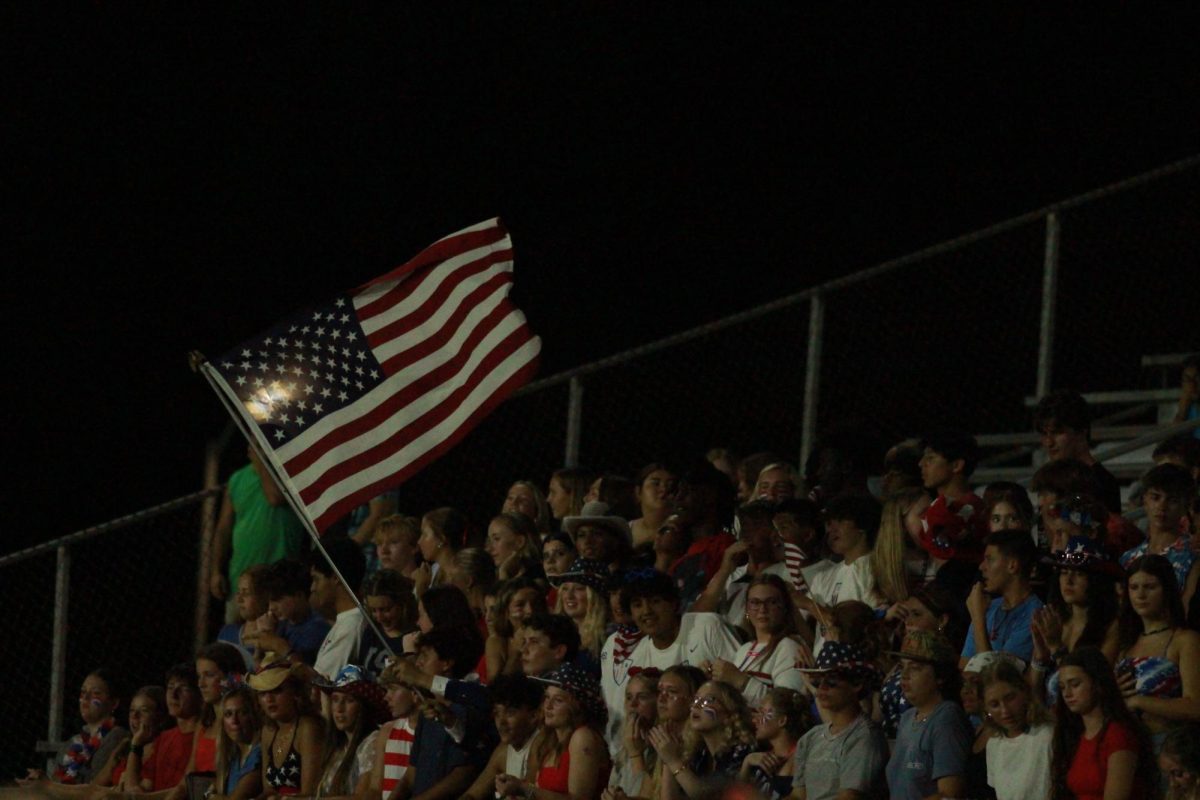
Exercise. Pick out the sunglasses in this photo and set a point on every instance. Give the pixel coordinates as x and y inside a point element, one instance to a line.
<point>826,682</point>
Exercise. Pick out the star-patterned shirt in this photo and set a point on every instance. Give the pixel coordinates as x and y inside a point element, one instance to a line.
<point>1179,553</point>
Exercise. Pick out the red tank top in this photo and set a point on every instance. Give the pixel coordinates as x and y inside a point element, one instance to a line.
<point>555,778</point>
<point>206,753</point>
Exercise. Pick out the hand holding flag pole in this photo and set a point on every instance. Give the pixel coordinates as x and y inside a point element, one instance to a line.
<point>352,397</point>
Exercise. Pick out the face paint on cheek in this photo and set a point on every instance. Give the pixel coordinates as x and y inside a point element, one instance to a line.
<point>96,703</point>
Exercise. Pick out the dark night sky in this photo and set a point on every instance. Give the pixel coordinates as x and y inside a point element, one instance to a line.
<point>183,181</point>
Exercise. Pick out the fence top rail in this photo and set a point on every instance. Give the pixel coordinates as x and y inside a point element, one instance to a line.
<point>950,245</point>
<point>111,525</point>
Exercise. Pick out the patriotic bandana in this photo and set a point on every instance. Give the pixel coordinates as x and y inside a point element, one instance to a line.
<point>80,751</point>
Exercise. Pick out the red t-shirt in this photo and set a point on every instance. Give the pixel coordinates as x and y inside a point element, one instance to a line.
<point>166,764</point>
<point>1089,767</point>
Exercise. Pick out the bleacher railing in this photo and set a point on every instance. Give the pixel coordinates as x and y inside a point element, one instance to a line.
<point>1074,294</point>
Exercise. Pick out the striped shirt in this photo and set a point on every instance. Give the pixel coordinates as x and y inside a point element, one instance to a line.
<point>395,755</point>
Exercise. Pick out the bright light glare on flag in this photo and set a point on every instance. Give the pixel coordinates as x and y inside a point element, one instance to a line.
<point>264,403</point>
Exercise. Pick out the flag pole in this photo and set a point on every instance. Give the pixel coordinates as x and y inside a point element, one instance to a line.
<point>275,469</point>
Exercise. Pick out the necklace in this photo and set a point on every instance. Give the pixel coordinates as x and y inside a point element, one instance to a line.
<point>1156,630</point>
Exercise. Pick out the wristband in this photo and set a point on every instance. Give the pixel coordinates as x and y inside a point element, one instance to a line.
<point>136,749</point>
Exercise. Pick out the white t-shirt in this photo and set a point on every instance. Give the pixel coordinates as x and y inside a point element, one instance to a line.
<point>830,583</point>
<point>515,761</point>
<point>1019,768</point>
<point>735,593</point>
<point>703,636</point>
<point>776,671</point>
<point>341,643</point>
<point>613,677</point>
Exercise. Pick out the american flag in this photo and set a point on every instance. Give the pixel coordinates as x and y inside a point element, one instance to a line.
<point>354,396</point>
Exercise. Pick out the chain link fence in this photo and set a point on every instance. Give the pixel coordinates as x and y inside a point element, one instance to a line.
<point>955,336</point>
<point>121,595</point>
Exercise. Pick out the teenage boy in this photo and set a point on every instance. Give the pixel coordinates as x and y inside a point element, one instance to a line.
<point>290,625</point>
<point>1064,421</point>
<point>393,748</point>
<point>851,523</point>
<point>797,523</point>
<point>652,600</point>
<point>954,525</point>
<point>396,544</point>
<point>164,768</point>
<point>844,758</point>
<point>706,501</point>
<point>1003,623</point>
<point>443,765</point>
<point>334,601</point>
<point>391,602</point>
<point>1167,500</point>
<point>550,640</point>
<point>516,711</point>
<point>614,656</point>
<point>753,554</point>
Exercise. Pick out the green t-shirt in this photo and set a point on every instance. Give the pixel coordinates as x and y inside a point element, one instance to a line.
<point>262,533</point>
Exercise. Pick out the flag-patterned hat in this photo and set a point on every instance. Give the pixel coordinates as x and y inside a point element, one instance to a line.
<point>583,687</point>
<point>846,659</point>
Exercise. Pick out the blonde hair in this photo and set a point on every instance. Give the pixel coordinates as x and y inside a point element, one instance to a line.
<point>1004,671</point>
<point>891,545</point>
<point>793,475</point>
<point>398,524</point>
<point>227,749</point>
<point>739,729</point>
<point>520,525</point>
<point>543,522</point>
<point>649,754</point>
<point>593,627</point>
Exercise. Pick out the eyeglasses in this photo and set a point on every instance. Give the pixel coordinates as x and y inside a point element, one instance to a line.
<point>770,602</point>
<point>826,682</point>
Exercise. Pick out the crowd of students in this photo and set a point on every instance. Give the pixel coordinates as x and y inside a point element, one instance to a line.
<point>732,629</point>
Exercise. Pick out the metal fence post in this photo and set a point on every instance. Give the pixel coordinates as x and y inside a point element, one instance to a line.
<point>208,516</point>
<point>1049,293</point>
<point>58,654</point>
<point>812,376</point>
<point>574,422</point>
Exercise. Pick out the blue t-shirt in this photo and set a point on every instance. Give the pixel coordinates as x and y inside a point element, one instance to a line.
<point>238,771</point>
<point>305,637</point>
<point>1008,630</point>
<point>936,747</point>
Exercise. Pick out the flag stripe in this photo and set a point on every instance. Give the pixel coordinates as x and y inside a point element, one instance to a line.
<point>375,299</point>
<point>352,495</point>
<point>400,390</point>
<point>405,353</point>
<point>374,444</point>
<point>404,320</point>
